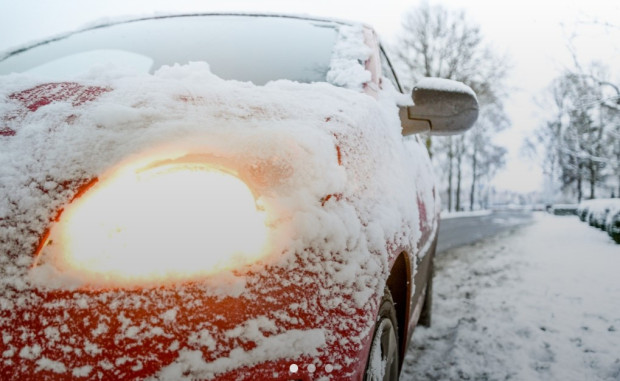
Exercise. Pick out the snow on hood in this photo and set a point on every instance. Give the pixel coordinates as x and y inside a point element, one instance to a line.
<point>288,131</point>
<point>329,163</point>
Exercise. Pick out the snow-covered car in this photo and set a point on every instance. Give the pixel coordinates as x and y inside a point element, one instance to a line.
<point>215,197</point>
<point>582,211</point>
<point>564,209</point>
<point>612,224</point>
<point>603,213</point>
<point>598,210</point>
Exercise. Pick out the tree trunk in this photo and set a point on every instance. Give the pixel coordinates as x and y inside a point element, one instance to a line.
<point>473,179</point>
<point>458,182</point>
<point>592,180</point>
<point>450,165</point>
<point>579,192</point>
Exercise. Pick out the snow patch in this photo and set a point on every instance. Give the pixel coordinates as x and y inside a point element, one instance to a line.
<point>46,364</point>
<point>170,315</point>
<point>346,68</point>
<point>293,343</point>
<point>83,371</point>
<point>30,352</point>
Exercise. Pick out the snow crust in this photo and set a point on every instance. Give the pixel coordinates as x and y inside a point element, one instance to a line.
<point>445,85</point>
<point>328,164</point>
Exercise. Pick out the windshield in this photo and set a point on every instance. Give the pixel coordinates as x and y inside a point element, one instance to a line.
<point>246,48</point>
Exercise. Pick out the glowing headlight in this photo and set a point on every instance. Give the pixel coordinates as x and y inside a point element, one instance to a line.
<point>168,222</point>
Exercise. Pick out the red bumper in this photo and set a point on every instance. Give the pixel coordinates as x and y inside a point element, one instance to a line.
<point>275,329</point>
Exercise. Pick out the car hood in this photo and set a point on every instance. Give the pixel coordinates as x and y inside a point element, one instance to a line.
<point>328,164</point>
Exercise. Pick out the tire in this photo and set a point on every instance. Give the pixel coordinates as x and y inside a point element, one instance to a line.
<point>383,362</point>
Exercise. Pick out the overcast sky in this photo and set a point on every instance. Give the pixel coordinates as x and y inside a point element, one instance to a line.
<point>535,33</point>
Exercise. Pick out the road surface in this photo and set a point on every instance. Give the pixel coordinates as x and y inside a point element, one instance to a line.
<point>459,231</point>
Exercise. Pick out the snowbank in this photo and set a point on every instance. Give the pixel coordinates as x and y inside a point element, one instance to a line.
<point>476,213</point>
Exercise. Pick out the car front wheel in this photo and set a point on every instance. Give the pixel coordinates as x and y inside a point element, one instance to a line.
<point>383,360</point>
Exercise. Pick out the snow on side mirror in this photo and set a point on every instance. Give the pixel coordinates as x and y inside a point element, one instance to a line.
<point>441,107</point>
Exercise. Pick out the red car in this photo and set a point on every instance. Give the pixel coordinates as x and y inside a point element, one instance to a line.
<point>215,197</point>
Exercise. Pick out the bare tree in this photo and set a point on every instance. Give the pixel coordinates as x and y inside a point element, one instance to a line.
<point>438,42</point>
<point>447,146</point>
<point>486,157</point>
<point>580,140</point>
<point>459,153</point>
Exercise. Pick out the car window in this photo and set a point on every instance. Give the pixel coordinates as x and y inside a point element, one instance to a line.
<point>245,48</point>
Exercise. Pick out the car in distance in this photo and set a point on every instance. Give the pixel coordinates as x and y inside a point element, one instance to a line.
<point>216,196</point>
<point>613,224</point>
<point>603,213</point>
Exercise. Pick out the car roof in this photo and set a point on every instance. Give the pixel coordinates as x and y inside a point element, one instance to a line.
<point>127,20</point>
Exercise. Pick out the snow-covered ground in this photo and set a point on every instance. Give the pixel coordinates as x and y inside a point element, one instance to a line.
<point>538,303</point>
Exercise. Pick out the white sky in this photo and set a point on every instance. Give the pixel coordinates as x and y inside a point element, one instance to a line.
<point>533,32</point>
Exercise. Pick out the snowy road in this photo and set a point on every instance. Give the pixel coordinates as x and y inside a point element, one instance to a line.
<point>537,303</point>
<point>463,228</point>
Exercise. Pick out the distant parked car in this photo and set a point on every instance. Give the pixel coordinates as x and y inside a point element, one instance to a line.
<point>598,216</point>
<point>612,224</point>
<point>583,210</point>
<point>603,213</point>
<point>564,209</point>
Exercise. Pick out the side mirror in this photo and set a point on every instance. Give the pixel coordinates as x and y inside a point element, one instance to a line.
<point>441,107</point>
